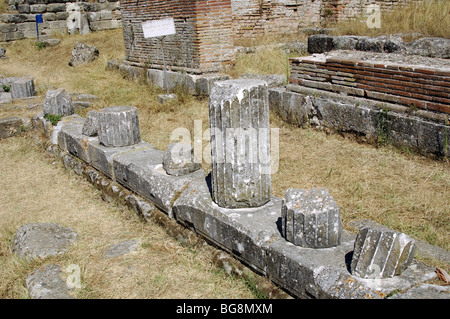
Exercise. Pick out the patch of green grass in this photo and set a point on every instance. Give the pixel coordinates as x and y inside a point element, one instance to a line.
<point>53,118</point>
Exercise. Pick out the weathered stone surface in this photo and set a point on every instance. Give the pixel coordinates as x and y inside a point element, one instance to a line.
<point>205,82</point>
<point>51,42</point>
<point>253,235</point>
<point>244,231</point>
<point>432,47</point>
<point>320,43</point>
<point>179,159</point>
<point>164,98</point>
<point>101,157</point>
<point>291,107</point>
<point>425,291</point>
<point>22,87</point>
<point>2,52</point>
<point>272,80</point>
<point>142,172</point>
<point>5,98</point>
<point>381,253</point>
<point>90,126</point>
<point>143,209</point>
<point>83,53</point>
<point>40,240</point>
<point>118,126</point>
<point>424,249</point>
<point>310,218</point>
<point>58,102</point>
<point>301,105</point>
<point>71,139</point>
<point>121,248</point>
<point>47,283</point>
<point>11,126</point>
<point>240,150</point>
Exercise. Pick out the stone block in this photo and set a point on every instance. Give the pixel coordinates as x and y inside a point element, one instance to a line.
<point>320,43</point>
<point>310,218</point>
<point>205,82</point>
<point>83,53</point>
<point>40,240</point>
<point>47,282</point>
<point>381,253</point>
<point>56,7</point>
<point>23,8</point>
<point>101,157</point>
<point>183,81</point>
<point>90,126</point>
<point>11,126</point>
<point>58,102</point>
<point>164,98</point>
<point>179,159</point>
<point>142,172</point>
<point>22,87</point>
<point>245,231</point>
<point>291,107</point>
<point>71,139</point>
<point>38,8</point>
<point>106,15</point>
<point>118,126</point>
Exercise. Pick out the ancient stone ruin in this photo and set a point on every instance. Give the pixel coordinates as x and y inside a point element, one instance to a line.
<point>297,241</point>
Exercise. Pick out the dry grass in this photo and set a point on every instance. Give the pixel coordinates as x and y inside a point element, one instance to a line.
<point>430,18</point>
<point>34,188</point>
<point>404,191</point>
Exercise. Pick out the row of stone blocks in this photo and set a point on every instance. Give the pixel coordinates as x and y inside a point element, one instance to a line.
<point>297,241</point>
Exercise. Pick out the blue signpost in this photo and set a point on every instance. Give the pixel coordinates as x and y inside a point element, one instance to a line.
<point>38,20</point>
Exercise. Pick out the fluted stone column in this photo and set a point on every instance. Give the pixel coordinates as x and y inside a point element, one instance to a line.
<point>58,102</point>
<point>240,150</point>
<point>22,87</point>
<point>118,126</point>
<point>310,218</point>
<point>381,253</point>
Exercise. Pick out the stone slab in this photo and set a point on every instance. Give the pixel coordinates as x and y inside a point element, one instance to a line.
<point>253,235</point>
<point>71,138</point>
<point>101,157</point>
<point>46,283</point>
<point>142,171</point>
<point>40,240</point>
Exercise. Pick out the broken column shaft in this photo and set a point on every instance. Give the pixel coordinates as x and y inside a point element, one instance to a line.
<point>240,150</point>
<point>118,126</point>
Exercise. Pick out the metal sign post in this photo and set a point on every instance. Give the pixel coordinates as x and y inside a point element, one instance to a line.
<point>159,29</point>
<point>38,20</point>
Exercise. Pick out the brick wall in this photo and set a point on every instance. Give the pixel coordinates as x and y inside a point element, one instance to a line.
<point>421,87</point>
<point>202,43</point>
<point>257,17</point>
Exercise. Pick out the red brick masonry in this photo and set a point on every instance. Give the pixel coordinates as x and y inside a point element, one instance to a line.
<point>416,86</point>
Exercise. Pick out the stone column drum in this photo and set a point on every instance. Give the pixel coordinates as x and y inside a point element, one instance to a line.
<point>310,218</point>
<point>381,253</point>
<point>23,87</point>
<point>240,150</point>
<point>118,126</point>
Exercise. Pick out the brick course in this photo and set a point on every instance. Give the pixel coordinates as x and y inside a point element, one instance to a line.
<point>421,87</point>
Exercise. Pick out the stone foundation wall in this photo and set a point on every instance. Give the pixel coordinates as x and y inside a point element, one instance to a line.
<point>59,16</point>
